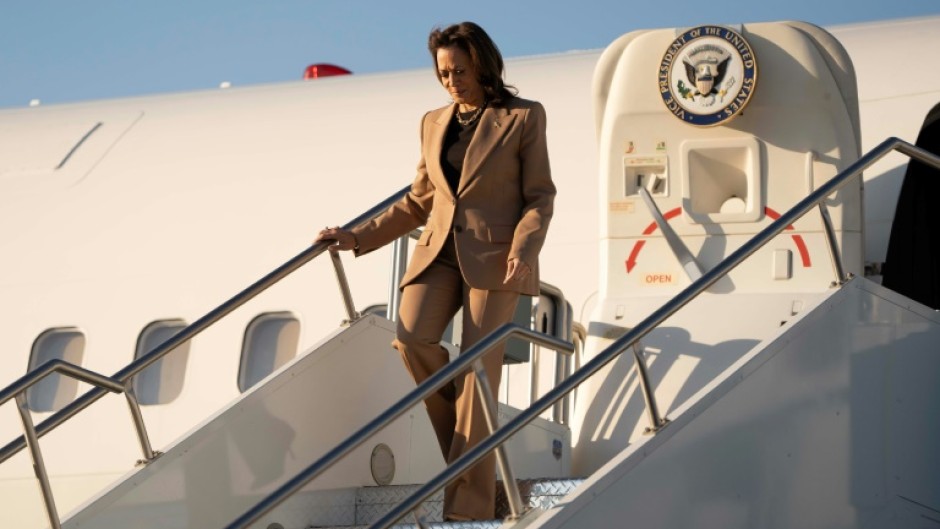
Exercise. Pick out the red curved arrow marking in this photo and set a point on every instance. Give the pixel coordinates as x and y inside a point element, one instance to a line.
<point>804,253</point>
<point>797,239</point>
<point>631,261</point>
<point>673,213</point>
<point>774,215</point>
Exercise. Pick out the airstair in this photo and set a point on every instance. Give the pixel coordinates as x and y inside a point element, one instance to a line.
<point>241,454</point>
<point>712,402</point>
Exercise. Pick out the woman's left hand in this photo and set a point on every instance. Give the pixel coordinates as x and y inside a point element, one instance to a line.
<point>343,239</point>
<point>516,270</point>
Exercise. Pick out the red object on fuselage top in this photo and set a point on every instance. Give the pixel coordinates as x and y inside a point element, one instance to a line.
<point>315,71</point>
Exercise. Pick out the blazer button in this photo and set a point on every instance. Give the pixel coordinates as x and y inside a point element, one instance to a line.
<point>458,228</point>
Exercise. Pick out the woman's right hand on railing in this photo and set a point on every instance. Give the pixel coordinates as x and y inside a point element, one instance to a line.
<point>343,239</point>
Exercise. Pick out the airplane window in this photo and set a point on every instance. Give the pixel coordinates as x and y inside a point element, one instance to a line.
<point>163,380</point>
<point>55,391</point>
<point>270,341</point>
<point>380,310</point>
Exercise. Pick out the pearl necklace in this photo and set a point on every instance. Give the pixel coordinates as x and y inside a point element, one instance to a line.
<point>474,115</point>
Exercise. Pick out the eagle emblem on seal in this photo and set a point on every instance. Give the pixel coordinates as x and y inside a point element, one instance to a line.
<point>706,75</point>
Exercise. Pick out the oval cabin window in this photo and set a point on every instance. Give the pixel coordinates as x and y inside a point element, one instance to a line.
<point>162,381</point>
<point>55,391</point>
<point>270,341</point>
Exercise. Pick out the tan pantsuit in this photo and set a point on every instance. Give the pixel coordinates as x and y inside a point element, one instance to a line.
<point>499,211</point>
<point>427,306</point>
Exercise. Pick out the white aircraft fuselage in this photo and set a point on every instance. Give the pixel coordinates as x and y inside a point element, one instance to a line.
<point>116,214</point>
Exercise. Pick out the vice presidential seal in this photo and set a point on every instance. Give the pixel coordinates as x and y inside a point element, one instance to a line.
<point>707,75</point>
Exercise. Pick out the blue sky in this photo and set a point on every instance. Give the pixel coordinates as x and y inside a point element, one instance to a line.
<point>70,50</point>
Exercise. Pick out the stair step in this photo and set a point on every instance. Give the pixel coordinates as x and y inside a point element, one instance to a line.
<point>540,493</point>
<point>374,502</point>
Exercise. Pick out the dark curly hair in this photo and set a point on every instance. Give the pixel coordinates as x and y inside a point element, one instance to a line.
<point>484,56</point>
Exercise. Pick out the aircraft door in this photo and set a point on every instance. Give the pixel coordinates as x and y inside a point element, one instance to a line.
<point>914,246</point>
<point>725,128</point>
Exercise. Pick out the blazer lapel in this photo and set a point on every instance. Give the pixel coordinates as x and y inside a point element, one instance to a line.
<point>434,144</point>
<point>493,125</point>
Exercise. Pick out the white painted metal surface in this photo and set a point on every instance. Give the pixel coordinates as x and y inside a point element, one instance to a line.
<point>682,356</point>
<point>828,424</point>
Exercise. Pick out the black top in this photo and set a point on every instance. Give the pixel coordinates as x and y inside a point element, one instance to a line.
<point>454,150</point>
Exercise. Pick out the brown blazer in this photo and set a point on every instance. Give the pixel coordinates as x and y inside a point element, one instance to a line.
<point>502,206</point>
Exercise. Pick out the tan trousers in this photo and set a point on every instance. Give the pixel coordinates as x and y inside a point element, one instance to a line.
<point>427,306</point>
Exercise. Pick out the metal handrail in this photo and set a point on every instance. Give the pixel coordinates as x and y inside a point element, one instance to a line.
<point>482,449</point>
<point>193,329</point>
<point>834,257</point>
<point>837,268</point>
<point>414,397</point>
<point>58,366</point>
<point>90,377</point>
<point>18,390</point>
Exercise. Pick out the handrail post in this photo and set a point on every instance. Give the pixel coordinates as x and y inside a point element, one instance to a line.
<point>561,328</point>
<point>837,267</point>
<point>138,418</point>
<point>656,421</point>
<point>535,367</point>
<point>419,518</point>
<point>351,313</point>
<point>39,465</point>
<point>485,391</point>
<point>399,264</point>
<point>569,361</point>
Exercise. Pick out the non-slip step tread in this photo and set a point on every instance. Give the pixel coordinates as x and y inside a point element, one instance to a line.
<point>372,503</point>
